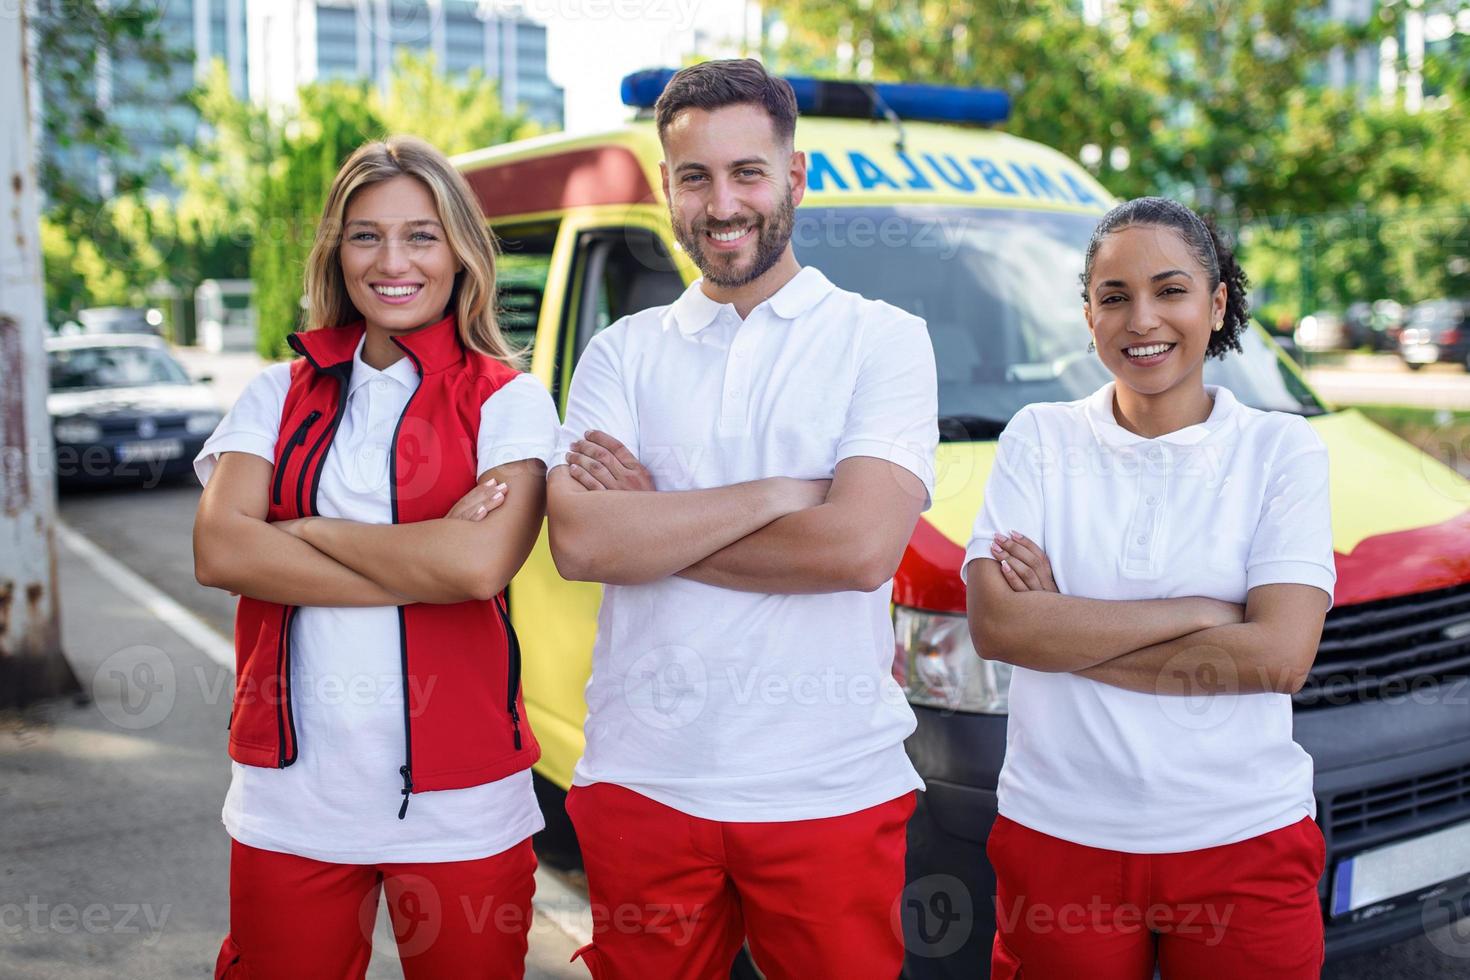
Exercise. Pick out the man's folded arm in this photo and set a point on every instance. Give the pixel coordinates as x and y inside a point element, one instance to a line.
<point>851,542</point>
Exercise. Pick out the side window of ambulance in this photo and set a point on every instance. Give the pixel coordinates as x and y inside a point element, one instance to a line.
<point>521,271</point>
<point>619,271</point>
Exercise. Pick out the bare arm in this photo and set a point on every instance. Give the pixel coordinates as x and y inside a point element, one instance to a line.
<point>852,541</point>
<point>1271,651</point>
<point>235,549</point>
<point>626,537</point>
<point>1048,631</point>
<point>448,559</point>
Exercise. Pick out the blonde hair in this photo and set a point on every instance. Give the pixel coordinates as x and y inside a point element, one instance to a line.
<point>473,296</point>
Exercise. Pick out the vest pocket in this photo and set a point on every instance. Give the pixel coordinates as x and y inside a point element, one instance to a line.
<point>297,438</point>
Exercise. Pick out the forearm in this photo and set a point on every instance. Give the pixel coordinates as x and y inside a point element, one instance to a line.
<point>1048,631</point>
<point>248,556</point>
<point>1242,658</point>
<point>810,551</point>
<point>626,537</point>
<point>426,561</point>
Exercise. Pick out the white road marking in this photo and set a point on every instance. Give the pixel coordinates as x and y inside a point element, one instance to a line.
<point>190,627</point>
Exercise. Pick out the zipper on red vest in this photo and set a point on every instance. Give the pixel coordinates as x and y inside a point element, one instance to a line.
<point>405,770</point>
<point>285,719</point>
<point>297,438</point>
<point>512,669</point>
<point>344,375</point>
<point>407,775</point>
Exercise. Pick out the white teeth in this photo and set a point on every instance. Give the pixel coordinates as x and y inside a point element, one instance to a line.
<point>395,290</point>
<point>727,236</point>
<point>1148,351</point>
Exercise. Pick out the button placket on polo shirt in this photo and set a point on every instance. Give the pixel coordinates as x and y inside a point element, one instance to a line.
<point>1141,540</point>
<point>739,356</point>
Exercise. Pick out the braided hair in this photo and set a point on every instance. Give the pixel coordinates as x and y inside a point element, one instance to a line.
<point>1204,242</point>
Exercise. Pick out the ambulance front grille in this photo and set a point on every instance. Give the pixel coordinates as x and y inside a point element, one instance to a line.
<point>1432,796</point>
<point>1401,648</point>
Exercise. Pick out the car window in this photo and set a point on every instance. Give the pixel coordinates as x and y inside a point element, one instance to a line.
<point>113,367</point>
<point>521,270</point>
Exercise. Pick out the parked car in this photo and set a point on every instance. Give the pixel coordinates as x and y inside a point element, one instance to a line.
<point>1323,331</point>
<point>122,409</point>
<point>983,234</point>
<point>1386,322</point>
<point>120,319</point>
<point>1436,331</point>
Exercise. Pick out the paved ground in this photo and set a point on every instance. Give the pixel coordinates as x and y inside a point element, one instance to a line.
<point>1382,379</point>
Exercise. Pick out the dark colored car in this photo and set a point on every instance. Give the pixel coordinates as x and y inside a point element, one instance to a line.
<point>1436,331</point>
<point>122,409</point>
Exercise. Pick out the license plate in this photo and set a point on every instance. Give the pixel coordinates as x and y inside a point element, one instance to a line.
<point>149,452</point>
<point>1400,869</point>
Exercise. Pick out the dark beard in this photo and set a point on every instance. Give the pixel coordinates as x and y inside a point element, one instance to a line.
<point>771,240</point>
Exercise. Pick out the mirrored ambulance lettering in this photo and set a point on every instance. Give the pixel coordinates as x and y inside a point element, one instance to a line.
<point>857,171</point>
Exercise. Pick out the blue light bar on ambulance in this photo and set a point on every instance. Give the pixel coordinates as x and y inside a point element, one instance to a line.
<point>856,100</point>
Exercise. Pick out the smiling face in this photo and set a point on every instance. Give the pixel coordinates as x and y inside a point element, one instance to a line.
<point>733,187</point>
<point>1151,309</point>
<point>395,255</point>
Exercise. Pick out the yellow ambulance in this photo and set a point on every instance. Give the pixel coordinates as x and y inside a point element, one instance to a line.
<point>916,198</point>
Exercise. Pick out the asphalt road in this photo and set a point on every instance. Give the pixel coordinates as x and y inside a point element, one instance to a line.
<point>149,530</point>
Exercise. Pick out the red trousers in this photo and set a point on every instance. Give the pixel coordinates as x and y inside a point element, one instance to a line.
<point>1248,909</point>
<point>674,896</point>
<point>292,917</point>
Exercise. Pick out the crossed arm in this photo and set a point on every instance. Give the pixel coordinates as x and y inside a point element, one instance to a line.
<point>1154,646</point>
<point>608,523</point>
<point>471,553</point>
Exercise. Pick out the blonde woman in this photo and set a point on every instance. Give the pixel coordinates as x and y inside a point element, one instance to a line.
<point>369,501</point>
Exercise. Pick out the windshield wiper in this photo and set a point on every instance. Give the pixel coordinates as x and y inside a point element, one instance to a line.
<point>969,428</point>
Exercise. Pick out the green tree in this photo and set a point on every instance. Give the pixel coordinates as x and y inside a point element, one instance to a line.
<point>1220,103</point>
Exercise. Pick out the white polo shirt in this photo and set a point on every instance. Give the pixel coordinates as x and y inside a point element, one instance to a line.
<point>1214,509</point>
<point>740,706</point>
<point>339,800</point>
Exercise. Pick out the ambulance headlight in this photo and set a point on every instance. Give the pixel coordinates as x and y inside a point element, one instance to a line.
<point>937,666</point>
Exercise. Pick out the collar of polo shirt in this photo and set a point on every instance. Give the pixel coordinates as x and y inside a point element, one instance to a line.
<point>401,370</point>
<point>694,310</point>
<point>1109,432</point>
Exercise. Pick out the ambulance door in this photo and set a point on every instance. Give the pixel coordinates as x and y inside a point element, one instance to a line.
<point>598,270</point>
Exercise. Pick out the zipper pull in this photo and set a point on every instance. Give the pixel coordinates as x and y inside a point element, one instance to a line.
<point>407,788</point>
<point>515,721</point>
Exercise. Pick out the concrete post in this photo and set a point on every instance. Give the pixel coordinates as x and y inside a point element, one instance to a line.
<point>31,664</point>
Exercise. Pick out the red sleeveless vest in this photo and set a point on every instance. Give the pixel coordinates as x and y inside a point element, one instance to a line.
<point>463,716</point>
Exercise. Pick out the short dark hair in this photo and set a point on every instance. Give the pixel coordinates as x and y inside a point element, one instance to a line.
<point>734,81</point>
<point>1204,240</point>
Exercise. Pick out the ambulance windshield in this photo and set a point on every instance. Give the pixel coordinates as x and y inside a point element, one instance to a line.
<point>1001,293</point>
